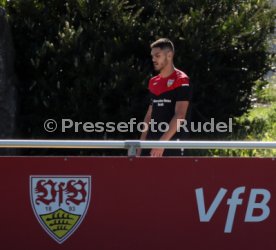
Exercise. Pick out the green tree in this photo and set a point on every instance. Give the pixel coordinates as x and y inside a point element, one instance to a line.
<point>90,60</point>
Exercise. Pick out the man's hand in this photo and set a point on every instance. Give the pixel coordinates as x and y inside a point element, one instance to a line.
<point>138,151</point>
<point>157,152</point>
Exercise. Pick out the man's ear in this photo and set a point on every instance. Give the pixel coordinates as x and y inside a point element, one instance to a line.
<point>170,54</point>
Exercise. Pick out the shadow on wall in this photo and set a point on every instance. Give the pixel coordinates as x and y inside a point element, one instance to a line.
<point>7,84</point>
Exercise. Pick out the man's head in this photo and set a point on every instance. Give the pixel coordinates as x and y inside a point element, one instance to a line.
<point>162,52</point>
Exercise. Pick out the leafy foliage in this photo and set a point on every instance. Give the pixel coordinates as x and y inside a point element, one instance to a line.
<point>90,60</point>
<point>259,124</point>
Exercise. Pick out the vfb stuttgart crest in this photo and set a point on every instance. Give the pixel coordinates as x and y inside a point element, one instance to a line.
<point>170,82</point>
<point>60,203</point>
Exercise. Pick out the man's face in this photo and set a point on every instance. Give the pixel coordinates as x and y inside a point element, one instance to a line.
<point>160,58</point>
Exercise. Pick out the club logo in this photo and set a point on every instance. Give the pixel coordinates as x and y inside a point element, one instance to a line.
<point>60,203</point>
<point>170,82</point>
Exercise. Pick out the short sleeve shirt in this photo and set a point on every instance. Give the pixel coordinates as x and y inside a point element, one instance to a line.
<point>164,93</point>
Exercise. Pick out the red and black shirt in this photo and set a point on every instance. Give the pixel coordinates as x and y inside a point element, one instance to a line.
<point>164,93</point>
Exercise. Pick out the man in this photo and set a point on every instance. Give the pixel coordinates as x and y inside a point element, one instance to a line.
<point>169,100</point>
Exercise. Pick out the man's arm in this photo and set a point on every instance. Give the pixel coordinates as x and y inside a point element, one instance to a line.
<point>145,132</point>
<point>180,113</point>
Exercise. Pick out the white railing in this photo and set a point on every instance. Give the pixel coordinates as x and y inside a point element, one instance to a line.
<point>132,145</point>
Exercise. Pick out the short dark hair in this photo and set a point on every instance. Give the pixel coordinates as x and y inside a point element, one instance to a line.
<point>163,43</point>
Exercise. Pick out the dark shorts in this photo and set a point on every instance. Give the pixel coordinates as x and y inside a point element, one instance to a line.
<point>167,152</point>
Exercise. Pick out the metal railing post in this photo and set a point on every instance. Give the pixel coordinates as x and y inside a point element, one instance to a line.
<point>132,147</point>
